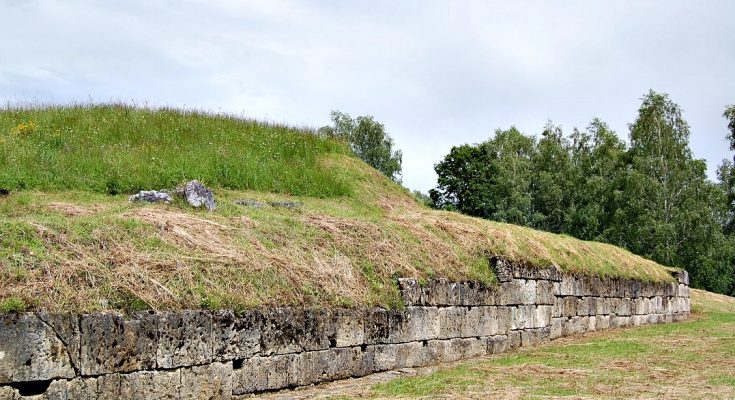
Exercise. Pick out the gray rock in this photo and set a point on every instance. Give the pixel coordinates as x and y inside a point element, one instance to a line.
<point>197,195</point>
<point>30,350</point>
<point>151,196</point>
<point>251,203</point>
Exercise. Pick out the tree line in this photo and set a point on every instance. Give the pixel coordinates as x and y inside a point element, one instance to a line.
<point>650,195</point>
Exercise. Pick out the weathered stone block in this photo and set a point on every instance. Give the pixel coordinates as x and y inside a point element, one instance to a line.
<point>511,293</point>
<point>545,292</point>
<point>207,382</point>
<point>410,291</point>
<point>488,321</point>
<point>235,337</point>
<point>592,324</point>
<point>250,375</point>
<point>450,322</point>
<point>602,306</point>
<point>110,343</point>
<point>583,306</point>
<point>31,350</point>
<point>528,291</point>
<point>383,356</point>
<point>571,304</point>
<point>514,339</point>
<point>523,317</point>
<point>532,337</point>
<point>349,327</point>
<point>683,277</point>
<point>497,344</point>
<point>602,322</point>
<point>436,293</point>
<point>542,317</point>
<point>505,319</point>
<point>158,385</point>
<point>557,327</point>
<point>414,354</point>
<point>423,324</point>
<point>377,329</point>
<point>470,326</point>
<point>558,307</point>
<point>184,338</point>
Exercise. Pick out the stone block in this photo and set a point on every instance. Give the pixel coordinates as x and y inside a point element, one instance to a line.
<point>410,291</point>
<point>66,328</point>
<point>349,327</point>
<point>602,306</point>
<point>235,337</point>
<point>583,306</point>
<point>511,293</point>
<point>505,319</point>
<point>497,344</point>
<point>383,356</point>
<point>154,385</point>
<point>528,291</point>
<point>571,304</point>
<point>575,326</point>
<point>602,322</point>
<point>542,317</point>
<point>184,338</point>
<point>682,277</point>
<point>557,327</point>
<point>31,350</point>
<point>436,293</point>
<point>250,375</point>
<point>545,292</point>
<point>470,326</point>
<point>423,323</point>
<point>523,317</point>
<point>592,324</point>
<point>451,320</point>
<point>110,343</point>
<point>488,324</point>
<point>532,337</point>
<point>558,307</point>
<point>207,382</point>
<point>377,329</point>
<point>514,339</point>
<point>414,354</point>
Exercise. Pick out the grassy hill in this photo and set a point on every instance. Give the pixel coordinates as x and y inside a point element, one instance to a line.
<point>70,240</point>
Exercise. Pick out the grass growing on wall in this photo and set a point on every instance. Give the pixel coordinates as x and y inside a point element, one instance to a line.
<point>121,149</point>
<point>68,242</point>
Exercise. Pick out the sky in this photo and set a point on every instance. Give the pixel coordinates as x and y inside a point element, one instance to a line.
<point>436,74</point>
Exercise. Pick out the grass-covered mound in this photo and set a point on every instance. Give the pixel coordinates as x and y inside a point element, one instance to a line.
<point>120,149</point>
<point>66,243</point>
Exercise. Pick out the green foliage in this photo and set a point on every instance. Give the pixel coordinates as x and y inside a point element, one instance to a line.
<point>368,140</point>
<point>12,305</point>
<point>653,198</point>
<point>122,149</point>
<point>491,180</point>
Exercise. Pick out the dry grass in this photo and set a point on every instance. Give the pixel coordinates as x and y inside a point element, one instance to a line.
<point>82,251</point>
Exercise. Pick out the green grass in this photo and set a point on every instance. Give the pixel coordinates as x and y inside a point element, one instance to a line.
<point>688,360</point>
<point>121,149</point>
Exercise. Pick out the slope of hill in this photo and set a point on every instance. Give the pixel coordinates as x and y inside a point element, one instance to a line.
<point>70,240</point>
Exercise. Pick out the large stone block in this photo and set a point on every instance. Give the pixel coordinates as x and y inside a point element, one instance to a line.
<point>497,344</point>
<point>235,337</point>
<point>528,291</point>
<point>488,324</point>
<point>31,350</point>
<point>542,317</point>
<point>571,304</point>
<point>184,338</point>
<point>451,320</point>
<point>349,327</point>
<point>523,317</point>
<point>410,291</point>
<point>545,292</point>
<point>557,327</point>
<point>207,382</point>
<point>152,385</point>
<point>511,293</point>
<point>383,356</point>
<point>602,322</point>
<point>414,354</point>
<point>505,319</point>
<point>413,324</point>
<point>377,329</point>
<point>290,330</point>
<point>111,343</point>
<point>532,337</point>
<point>251,375</point>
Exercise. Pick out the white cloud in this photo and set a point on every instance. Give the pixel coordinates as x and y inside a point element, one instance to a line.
<point>436,73</point>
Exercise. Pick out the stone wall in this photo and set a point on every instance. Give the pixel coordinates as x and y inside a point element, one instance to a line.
<point>220,355</point>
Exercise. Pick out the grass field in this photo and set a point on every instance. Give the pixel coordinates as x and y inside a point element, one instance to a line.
<point>71,241</point>
<point>694,359</point>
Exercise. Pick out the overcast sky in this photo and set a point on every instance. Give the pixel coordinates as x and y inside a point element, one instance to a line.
<point>437,74</point>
